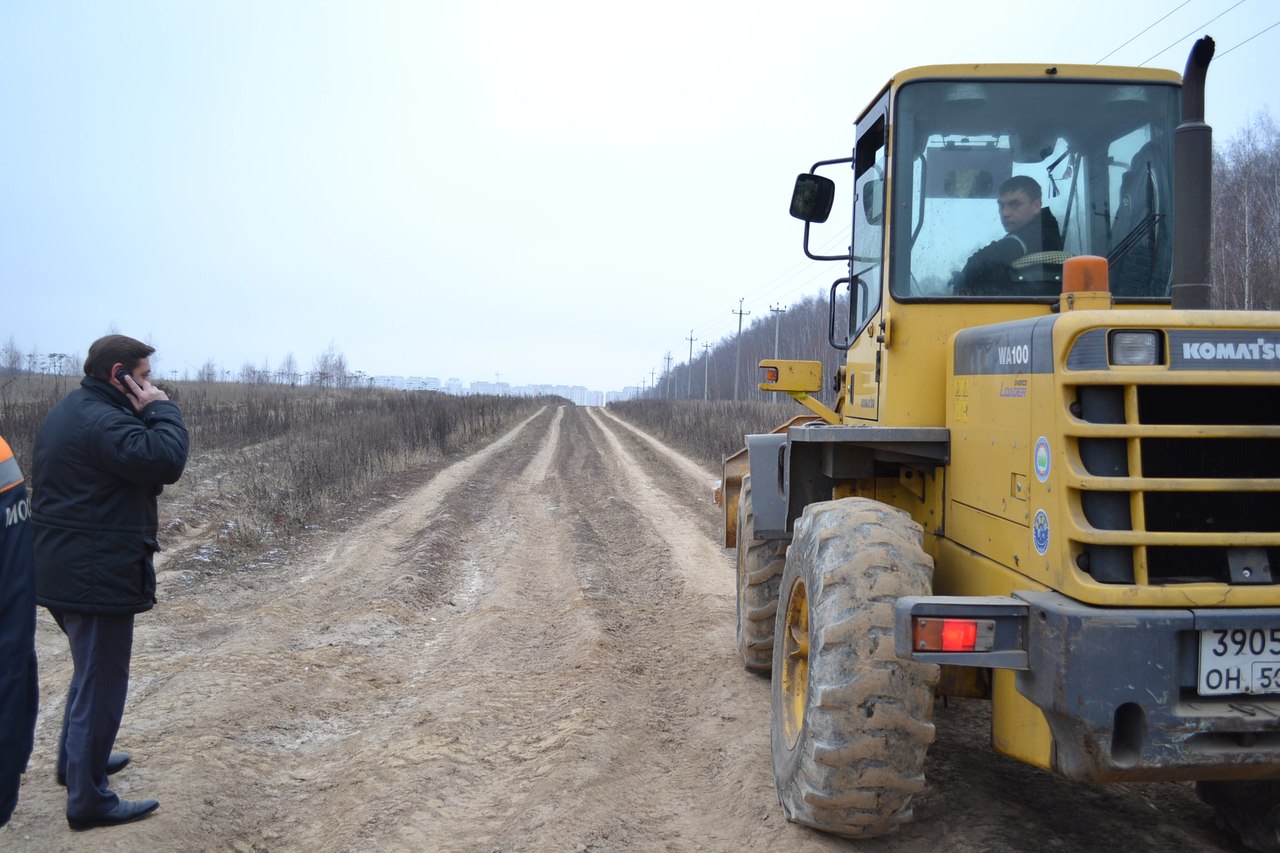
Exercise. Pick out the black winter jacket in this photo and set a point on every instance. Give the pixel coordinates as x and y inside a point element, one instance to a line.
<point>987,270</point>
<point>98,469</point>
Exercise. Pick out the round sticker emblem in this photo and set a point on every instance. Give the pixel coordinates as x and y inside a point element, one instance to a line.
<point>1040,532</point>
<point>1043,459</point>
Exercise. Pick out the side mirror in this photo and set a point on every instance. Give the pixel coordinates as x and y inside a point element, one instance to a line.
<point>812,198</point>
<point>873,201</point>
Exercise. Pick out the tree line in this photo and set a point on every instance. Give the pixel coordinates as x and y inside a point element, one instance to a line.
<point>799,332</point>
<point>1245,251</point>
<point>328,370</point>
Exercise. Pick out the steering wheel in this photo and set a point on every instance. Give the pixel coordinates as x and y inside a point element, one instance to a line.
<point>1039,258</point>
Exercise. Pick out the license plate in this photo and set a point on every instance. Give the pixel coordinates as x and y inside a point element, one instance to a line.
<point>1239,660</point>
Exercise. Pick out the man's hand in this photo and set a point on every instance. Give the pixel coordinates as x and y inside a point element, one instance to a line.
<point>140,394</point>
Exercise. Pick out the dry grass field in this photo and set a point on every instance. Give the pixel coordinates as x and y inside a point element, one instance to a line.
<point>706,430</point>
<point>271,462</point>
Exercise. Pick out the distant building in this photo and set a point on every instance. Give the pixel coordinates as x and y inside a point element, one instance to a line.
<point>631,392</point>
<point>422,383</point>
<point>495,389</point>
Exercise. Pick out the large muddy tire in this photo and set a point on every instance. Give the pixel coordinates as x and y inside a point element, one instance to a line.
<point>851,722</point>
<point>759,568</point>
<point>1250,810</point>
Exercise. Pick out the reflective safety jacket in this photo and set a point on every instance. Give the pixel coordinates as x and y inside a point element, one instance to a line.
<point>19,692</point>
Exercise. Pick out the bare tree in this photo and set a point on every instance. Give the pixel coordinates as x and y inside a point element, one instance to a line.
<point>1246,218</point>
<point>288,372</point>
<point>329,370</point>
<point>10,358</point>
<point>60,364</point>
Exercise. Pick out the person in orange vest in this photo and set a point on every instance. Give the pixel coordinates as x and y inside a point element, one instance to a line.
<point>19,691</point>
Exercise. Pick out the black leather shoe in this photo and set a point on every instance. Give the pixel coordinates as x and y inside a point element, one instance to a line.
<point>117,762</point>
<point>124,812</point>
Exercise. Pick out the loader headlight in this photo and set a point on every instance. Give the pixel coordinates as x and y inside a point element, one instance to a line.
<point>1136,348</point>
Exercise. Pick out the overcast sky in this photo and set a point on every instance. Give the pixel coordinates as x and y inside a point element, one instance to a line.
<point>547,192</point>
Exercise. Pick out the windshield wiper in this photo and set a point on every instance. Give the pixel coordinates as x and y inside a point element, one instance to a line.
<point>1134,237</point>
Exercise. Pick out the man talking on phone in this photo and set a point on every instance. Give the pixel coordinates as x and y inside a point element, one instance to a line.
<point>102,456</point>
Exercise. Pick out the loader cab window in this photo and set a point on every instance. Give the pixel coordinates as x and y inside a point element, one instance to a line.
<point>997,183</point>
<point>867,264</point>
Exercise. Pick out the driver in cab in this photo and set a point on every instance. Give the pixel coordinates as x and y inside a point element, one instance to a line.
<point>1029,227</point>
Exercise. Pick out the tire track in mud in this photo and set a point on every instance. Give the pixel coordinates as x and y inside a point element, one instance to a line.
<point>481,707</point>
<point>603,736</point>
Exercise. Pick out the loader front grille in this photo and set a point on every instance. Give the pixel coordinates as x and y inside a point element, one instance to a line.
<point>1176,483</point>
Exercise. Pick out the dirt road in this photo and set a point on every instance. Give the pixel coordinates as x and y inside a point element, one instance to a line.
<point>531,651</point>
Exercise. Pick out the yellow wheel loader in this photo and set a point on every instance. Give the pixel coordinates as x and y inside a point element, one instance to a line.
<point>1051,476</point>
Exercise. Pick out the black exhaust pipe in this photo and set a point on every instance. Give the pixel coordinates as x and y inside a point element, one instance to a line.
<point>1193,178</point>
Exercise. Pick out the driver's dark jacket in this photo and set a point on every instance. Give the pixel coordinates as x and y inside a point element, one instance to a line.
<point>98,468</point>
<point>988,268</point>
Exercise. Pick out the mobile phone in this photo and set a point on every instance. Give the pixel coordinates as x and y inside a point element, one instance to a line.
<point>121,374</point>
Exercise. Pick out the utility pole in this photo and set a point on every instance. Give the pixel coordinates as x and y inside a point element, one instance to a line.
<point>689,391</point>
<point>671,391</point>
<point>779,310</point>
<point>706,371</point>
<point>777,324</point>
<point>737,361</point>
<point>653,387</point>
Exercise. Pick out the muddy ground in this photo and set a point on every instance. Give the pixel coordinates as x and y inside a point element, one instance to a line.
<point>531,649</point>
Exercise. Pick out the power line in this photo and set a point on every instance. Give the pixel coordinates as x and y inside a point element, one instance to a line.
<point>781,284</point>
<point>1249,39</point>
<point>1193,31</point>
<point>1176,8</point>
<point>723,329</point>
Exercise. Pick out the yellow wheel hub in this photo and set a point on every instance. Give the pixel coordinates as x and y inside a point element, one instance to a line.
<point>795,662</point>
